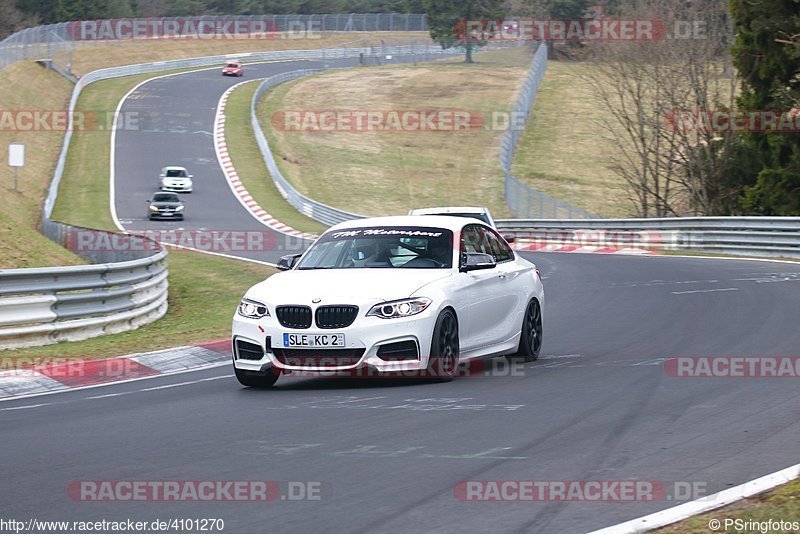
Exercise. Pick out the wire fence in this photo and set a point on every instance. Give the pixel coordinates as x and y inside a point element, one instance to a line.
<point>523,200</point>
<point>52,40</point>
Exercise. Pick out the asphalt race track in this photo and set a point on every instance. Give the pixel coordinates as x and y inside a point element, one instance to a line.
<point>174,126</point>
<point>598,405</point>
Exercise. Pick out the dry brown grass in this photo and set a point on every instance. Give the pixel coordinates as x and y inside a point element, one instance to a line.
<point>391,172</point>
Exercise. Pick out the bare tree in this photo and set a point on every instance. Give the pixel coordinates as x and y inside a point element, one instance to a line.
<point>658,91</point>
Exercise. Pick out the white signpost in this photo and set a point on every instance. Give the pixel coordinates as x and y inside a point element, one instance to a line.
<point>16,159</point>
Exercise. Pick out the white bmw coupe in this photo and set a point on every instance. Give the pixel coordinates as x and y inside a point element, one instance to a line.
<point>391,294</point>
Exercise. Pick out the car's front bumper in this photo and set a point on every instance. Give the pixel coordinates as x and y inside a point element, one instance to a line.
<point>166,215</point>
<point>366,338</point>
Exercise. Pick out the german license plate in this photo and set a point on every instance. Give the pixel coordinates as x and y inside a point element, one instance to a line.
<point>313,340</point>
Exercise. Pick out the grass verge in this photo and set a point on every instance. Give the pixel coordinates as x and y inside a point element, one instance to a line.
<point>390,172</point>
<point>21,245</point>
<point>250,166</point>
<point>204,290</point>
<point>782,503</point>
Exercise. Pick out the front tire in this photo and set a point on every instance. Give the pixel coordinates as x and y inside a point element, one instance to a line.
<point>530,339</point>
<point>443,360</point>
<point>253,379</point>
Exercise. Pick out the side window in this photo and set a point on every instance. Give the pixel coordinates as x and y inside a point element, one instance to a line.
<point>474,240</point>
<point>500,249</point>
<point>470,241</point>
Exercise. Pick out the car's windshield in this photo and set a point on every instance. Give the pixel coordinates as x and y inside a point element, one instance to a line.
<point>176,173</point>
<point>166,197</point>
<point>479,216</point>
<point>232,65</point>
<point>381,247</point>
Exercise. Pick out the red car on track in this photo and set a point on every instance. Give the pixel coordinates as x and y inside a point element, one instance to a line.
<point>233,68</point>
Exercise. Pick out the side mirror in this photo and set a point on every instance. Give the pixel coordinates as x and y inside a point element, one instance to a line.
<point>510,238</point>
<point>191,176</point>
<point>287,262</point>
<point>477,261</point>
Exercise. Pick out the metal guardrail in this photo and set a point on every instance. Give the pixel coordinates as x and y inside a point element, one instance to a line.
<point>124,288</point>
<point>749,236</point>
<point>51,39</point>
<point>522,199</point>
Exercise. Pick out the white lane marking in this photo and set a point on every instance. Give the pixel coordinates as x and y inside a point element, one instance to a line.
<point>559,356</point>
<point>110,395</point>
<point>663,283</point>
<point>705,291</point>
<point>24,407</point>
<point>179,384</point>
<point>106,384</point>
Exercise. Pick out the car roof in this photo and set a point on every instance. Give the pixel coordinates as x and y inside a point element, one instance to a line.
<point>450,209</point>
<point>426,221</point>
<point>173,168</point>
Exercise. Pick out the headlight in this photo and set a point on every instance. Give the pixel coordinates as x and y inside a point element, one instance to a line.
<point>252,309</point>
<point>153,208</point>
<point>179,208</point>
<point>399,308</point>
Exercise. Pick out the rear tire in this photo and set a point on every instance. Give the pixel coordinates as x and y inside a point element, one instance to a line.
<point>530,339</point>
<point>443,360</point>
<point>254,379</point>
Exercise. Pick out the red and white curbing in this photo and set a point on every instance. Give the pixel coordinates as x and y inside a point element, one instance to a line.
<point>239,190</point>
<point>62,374</point>
<point>551,247</point>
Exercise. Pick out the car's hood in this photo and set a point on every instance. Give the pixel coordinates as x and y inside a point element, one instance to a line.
<point>166,204</point>
<point>343,286</point>
<point>176,180</point>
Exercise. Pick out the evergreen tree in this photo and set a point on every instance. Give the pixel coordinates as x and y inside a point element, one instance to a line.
<point>767,57</point>
<point>449,20</point>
